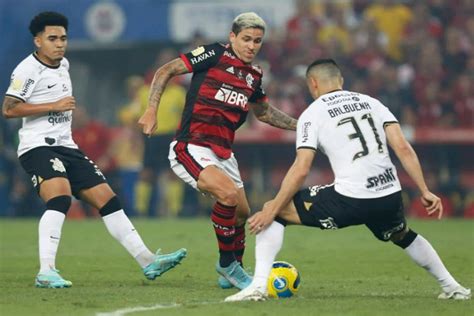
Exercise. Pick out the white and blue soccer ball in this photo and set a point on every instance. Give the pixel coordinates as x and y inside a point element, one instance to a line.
<point>284,280</point>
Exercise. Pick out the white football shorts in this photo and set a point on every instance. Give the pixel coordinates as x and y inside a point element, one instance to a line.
<point>188,160</point>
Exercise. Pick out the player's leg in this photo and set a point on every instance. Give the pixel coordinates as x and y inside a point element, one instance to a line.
<point>121,228</point>
<point>48,175</point>
<point>56,192</point>
<point>387,222</point>
<point>424,255</point>
<point>242,213</point>
<point>309,207</point>
<point>216,182</point>
<point>268,244</point>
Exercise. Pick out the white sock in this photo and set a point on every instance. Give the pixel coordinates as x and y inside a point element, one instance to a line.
<point>421,251</point>
<point>49,232</point>
<point>121,228</point>
<point>268,244</point>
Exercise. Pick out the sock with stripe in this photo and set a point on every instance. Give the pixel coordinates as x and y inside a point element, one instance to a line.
<point>239,243</point>
<point>223,219</point>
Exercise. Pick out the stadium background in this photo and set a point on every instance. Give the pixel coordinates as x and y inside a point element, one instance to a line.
<point>416,56</point>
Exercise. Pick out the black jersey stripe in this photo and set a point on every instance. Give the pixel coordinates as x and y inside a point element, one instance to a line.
<point>213,120</point>
<point>15,97</point>
<point>206,138</point>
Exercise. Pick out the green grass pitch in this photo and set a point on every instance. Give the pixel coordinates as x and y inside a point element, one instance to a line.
<point>346,272</point>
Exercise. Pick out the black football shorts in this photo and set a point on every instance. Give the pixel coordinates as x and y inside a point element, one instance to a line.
<point>44,163</point>
<point>322,206</point>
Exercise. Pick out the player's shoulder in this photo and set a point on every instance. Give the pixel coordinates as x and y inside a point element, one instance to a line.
<point>212,48</point>
<point>28,65</point>
<point>309,112</point>
<point>64,63</point>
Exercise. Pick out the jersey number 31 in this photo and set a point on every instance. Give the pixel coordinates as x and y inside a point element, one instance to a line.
<point>358,134</point>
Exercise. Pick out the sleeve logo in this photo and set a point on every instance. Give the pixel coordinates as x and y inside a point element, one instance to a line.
<point>198,51</point>
<point>16,84</point>
<point>27,86</point>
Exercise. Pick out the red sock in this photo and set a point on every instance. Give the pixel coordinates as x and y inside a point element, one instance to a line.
<point>239,243</point>
<point>223,219</point>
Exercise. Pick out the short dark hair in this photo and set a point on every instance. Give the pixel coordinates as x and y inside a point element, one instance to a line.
<point>325,62</point>
<point>48,18</point>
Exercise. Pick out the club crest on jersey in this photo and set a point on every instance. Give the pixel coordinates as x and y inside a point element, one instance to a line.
<point>226,53</point>
<point>228,95</point>
<point>249,79</point>
<point>202,56</point>
<point>57,165</point>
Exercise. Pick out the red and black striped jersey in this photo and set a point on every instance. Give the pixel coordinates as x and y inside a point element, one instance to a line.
<point>217,99</point>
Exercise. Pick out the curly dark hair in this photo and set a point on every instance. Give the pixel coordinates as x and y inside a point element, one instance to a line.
<point>49,18</point>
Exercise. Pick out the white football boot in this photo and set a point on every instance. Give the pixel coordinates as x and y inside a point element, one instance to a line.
<point>459,293</point>
<point>250,293</point>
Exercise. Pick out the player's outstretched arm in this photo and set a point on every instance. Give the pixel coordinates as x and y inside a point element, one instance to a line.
<point>271,115</point>
<point>411,164</point>
<point>292,182</point>
<point>14,108</point>
<point>158,85</point>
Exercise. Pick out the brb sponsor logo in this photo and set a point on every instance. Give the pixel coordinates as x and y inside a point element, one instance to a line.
<point>227,94</point>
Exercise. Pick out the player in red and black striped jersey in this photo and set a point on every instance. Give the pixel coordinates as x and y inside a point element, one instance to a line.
<point>224,86</point>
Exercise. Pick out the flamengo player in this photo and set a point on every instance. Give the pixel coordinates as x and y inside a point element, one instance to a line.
<point>41,93</point>
<point>353,130</point>
<point>224,86</point>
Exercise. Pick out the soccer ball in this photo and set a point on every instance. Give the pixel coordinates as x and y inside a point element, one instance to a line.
<point>284,280</point>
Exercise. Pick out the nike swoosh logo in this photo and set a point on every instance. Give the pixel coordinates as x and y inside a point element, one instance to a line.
<point>50,86</point>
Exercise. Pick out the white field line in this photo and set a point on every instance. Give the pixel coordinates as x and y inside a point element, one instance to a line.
<point>130,310</point>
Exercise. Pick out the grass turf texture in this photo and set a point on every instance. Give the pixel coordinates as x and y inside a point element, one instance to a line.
<point>346,272</point>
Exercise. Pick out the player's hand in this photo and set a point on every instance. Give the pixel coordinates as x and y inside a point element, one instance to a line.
<point>148,121</point>
<point>65,104</point>
<point>432,203</point>
<point>261,220</point>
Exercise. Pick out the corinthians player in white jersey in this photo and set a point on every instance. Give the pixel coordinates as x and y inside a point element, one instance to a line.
<point>353,130</point>
<point>40,93</point>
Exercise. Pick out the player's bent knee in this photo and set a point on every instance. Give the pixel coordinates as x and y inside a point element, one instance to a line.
<point>228,197</point>
<point>404,238</point>
<point>60,203</point>
<point>112,206</point>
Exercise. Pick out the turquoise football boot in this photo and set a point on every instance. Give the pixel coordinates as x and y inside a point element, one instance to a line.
<point>51,280</point>
<point>224,283</point>
<point>235,274</point>
<point>163,263</point>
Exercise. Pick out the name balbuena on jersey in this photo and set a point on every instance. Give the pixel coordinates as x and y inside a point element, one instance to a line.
<point>349,128</point>
<point>34,82</point>
<point>217,100</point>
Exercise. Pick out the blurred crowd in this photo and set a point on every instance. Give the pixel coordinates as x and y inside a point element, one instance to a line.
<point>417,57</point>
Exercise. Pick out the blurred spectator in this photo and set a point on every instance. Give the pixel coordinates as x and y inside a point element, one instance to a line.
<point>390,17</point>
<point>151,197</point>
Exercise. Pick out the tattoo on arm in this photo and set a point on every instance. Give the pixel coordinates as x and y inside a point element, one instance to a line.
<point>8,105</point>
<point>271,115</point>
<point>161,78</point>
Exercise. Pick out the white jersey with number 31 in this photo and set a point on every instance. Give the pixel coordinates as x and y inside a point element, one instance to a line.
<point>349,128</point>
<point>35,82</point>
